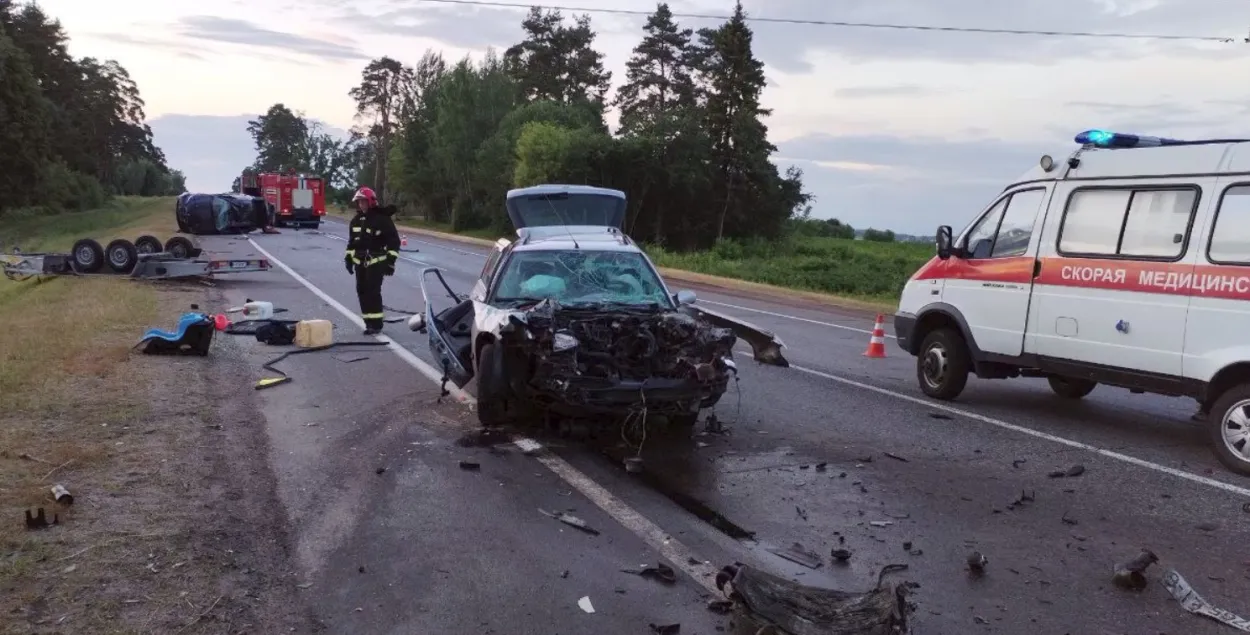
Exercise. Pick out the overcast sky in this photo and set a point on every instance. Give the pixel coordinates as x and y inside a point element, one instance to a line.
<point>894,129</point>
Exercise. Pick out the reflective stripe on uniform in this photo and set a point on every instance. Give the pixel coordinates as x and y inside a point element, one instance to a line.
<point>353,258</point>
<point>375,260</point>
<point>355,230</point>
<point>392,252</point>
<point>372,316</point>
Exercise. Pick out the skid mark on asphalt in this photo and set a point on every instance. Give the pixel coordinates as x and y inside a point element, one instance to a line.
<point>680,556</point>
<point>1111,454</point>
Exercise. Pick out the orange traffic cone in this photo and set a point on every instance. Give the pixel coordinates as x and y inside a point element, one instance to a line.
<point>876,345</point>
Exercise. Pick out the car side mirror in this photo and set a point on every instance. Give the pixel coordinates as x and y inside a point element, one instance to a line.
<point>944,239</point>
<point>685,297</point>
<point>417,323</point>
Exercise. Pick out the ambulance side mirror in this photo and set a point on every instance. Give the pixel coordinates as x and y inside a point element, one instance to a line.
<point>943,240</point>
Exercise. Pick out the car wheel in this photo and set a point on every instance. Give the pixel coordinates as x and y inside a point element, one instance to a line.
<point>1071,387</point>
<point>179,247</point>
<point>943,364</point>
<point>492,387</point>
<point>148,244</point>
<point>87,256</point>
<point>1229,426</point>
<point>121,255</point>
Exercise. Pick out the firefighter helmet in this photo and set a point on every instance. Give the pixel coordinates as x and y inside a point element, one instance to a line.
<point>365,193</point>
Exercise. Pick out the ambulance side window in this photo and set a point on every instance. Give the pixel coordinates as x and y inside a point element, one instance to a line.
<point>980,243</point>
<point>1144,223</point>
<point>1006,229</point>
<point>1230,234</point>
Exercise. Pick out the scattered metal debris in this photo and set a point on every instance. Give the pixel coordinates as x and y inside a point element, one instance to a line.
<point>798,554</point>
<point>666,629</point>
<point>1192,602</point>
<point>770,604</point>
<point>1131,575</point>
<point>1074,471</point>
<point>939,416</point>
<point>572,521</point>
<point>977,562</point>
<point>62,495</point>
<point>895,457</point>
<point>40,520</point>
<point>660,571</point>
<point>841,555</point>
<point>880,523</point>
<point>470,465</point>
<point>723,607</point>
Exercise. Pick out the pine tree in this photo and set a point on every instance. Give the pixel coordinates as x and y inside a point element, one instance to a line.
<point>659,79</point>
<point>558,62</point>
<point>733,82</point>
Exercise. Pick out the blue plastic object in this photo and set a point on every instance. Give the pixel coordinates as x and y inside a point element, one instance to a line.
<point>192,336</point>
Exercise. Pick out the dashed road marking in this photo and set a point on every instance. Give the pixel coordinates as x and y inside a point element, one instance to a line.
<point>1111,454</point>
<point>670,547</point>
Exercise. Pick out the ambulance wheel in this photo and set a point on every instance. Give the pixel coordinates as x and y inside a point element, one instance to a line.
<point>179,247</point>
<point>943,364</point>
<point>121,255</point>
<point>1071,387</point>
<point>1229,425</point>
<point>492,387</point>
<point>146,244</point>
<point>87,256</point>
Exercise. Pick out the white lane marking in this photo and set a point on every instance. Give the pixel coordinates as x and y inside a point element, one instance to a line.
<point>1132,460</point>
<point>792,317</point>
<point>672,549</point>
<point>402,257</point>
<point>425,369</point>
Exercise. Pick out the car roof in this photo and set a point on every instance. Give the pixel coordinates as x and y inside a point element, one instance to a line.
<point>556,188</point>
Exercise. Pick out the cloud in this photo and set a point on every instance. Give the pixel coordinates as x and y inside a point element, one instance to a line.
<point>232,31</point>
<point>908,184</point>
<point>460,27</point>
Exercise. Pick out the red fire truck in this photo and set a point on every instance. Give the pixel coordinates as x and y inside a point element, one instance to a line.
<point>297,199</point>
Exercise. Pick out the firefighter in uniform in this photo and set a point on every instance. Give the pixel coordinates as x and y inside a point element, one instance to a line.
<point>372,250</point>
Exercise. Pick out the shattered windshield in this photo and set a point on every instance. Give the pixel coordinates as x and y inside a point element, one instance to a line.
<point>580,277</point>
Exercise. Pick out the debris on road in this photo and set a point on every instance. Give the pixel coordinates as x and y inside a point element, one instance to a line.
<point>470,466</point>
<point>896,457</point>
<point>1068,521</point>
<point>666,629</point>
<point>797,554</point>
<point>822,467</point>
<point>770,604</point>
<point>939,416</point>
<point>1192,602</point>
<point>881,523</point>
<point>380,471</point>
<point>977,562</point>
<point>1072,472</point>
<point>40,520</point>
<point>1131,575</point>
<point>841,555</point>
<point>62,495</point>
<point>585,605</point>
<point>572,521</point>
<point>723,607</point>
<point>660,571</point>
<point>1025,497</point>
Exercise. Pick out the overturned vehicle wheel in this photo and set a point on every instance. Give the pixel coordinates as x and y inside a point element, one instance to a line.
<point>87,256</point>
<point>121,255</point>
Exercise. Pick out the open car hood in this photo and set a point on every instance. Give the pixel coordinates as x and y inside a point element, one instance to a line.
<point>566,205</point>
<point>764,344</point>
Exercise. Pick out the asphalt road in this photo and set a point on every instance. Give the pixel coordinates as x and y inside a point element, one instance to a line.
<point>425,546</point>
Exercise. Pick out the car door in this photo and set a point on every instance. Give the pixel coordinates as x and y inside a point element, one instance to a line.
<point>1116,293</point>
<point>989,278</point>
<point>449,330</point>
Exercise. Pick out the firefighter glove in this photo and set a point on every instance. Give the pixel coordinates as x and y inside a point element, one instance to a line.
<point>351,268</point>
<point>390,269</point>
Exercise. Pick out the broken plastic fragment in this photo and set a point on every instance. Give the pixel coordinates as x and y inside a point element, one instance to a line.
<point>1192,602</point>
<point>572,521</point>
<point>1129,575</point>
<point>666,629</point>
<point>798,554</point>
<point>660,571</point>
<point>585,605</point>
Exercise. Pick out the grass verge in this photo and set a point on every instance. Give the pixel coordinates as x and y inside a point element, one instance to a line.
<point>124,217</point>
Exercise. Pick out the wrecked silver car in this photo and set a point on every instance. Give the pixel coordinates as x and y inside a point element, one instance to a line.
<point>572,319</point>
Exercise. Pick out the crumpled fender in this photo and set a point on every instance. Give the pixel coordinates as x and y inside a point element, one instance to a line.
<point>765,345</point>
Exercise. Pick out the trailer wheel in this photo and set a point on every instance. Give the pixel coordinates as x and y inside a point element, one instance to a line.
<point>146,244</point>
<point>121,255</point>
<point>87,256</point>
<point>179,247</point>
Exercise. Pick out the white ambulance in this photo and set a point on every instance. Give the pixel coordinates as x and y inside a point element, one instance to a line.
<point>1126,264</point>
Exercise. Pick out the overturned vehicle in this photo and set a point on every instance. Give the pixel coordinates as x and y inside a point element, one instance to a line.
<point>209,214</point>
<point>573,320</point>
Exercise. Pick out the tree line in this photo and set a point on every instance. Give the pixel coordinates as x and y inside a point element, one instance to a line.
<point>72,131</point>
<point>446,140</point>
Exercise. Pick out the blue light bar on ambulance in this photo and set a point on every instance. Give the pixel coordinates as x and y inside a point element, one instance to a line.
<point>1106,139</point>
